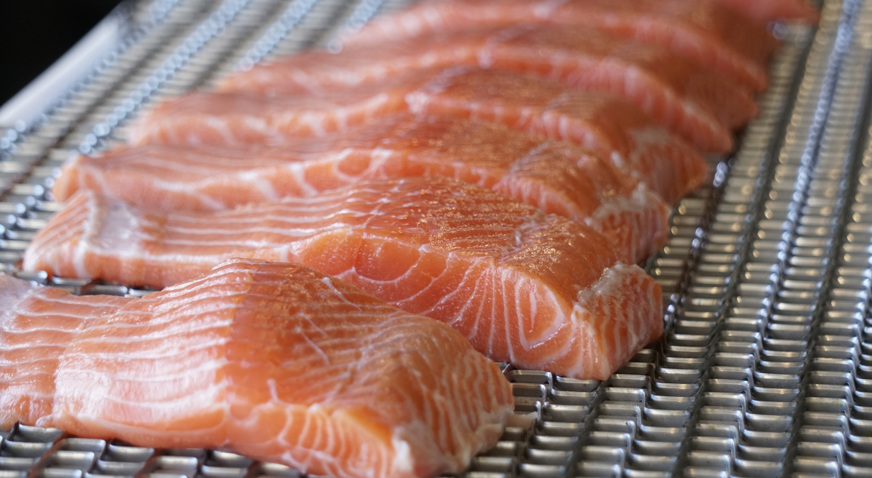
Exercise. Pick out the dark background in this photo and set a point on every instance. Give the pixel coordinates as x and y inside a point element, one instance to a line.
<point>35,33</point>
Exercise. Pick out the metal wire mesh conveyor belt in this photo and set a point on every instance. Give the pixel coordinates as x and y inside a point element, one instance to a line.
<point>766,367</point>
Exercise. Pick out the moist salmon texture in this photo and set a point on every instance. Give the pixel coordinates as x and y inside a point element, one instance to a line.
<point>605,124</point>
<point>554,176</point>
<point>488,154</point>
<point>536,290</point>
<point>273,360</point>
<point>703,31</point>
<point>691,100</point>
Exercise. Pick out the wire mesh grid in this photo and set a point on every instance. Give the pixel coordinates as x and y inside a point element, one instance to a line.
<point>766,367</point>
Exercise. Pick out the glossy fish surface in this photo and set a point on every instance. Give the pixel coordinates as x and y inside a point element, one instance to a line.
<point>554,176</point>
<point>271,360</point>
<point>704,31</point>
<point>536,290</point>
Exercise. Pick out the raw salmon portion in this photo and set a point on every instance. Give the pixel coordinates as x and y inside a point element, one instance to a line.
<point>275,361</point>
<point>535,290</point>
<point>602,123</point>
<point>773,10</point>
<point>554,176</point>
<point>703,31</point>
<point>231,119</point>
<point>605,124</point>
<point>698,104</point>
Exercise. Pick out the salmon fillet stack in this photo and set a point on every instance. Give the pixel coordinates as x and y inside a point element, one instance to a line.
<point>544,112</point>
<point>271,360</point>
<point>500,166</point>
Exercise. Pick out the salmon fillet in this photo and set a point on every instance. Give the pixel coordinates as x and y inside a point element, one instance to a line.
<point>535,290</point>
<point>703,31</point>
<point>766,11</point>
<point>688,99</point>
<point>274,361</point>
<point>605,124</point>
<point>554,176</point>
